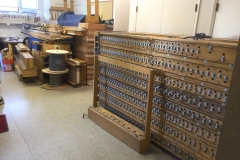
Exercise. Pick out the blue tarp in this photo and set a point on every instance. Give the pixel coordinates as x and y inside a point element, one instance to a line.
<point>30,44</point>
<point>70,19</point>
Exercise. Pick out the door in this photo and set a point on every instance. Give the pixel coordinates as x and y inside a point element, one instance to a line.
<point>149,16</point>
<point>180,17</point>
<point>227,21</point>
<point>133,15</point>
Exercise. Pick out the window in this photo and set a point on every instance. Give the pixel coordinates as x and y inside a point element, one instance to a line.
<point>9,5</point>
<point>22,6</point>
<point>29,6</point>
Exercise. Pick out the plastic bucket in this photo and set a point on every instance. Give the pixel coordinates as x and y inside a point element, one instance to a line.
<point>1,63</point>
<point>8,65</point>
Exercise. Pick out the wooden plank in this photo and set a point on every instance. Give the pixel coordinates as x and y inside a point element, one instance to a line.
<point>89,58</point>
<point>27,72</point>
<point>89,49</point>
<point>96,11</point>
<point>10,52</point>
<point>85,38</point>
<point>204,60</point>
<point>40,64</point>
<point>72,28</point>
<point>30,72</point>
<point>232,44</point>
<point>72,5</point>
<point>124,64</point>
<point>149,101</point>
<point>95,84</point>
<point>83,43</point>
<point>92,26</point>
<point>48,36</point>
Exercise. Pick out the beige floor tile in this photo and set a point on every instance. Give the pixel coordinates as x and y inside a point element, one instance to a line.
<point>12,126</point>
<point>48,125</point>
<point>23,156</point>
<point>12,144</point>
<point>49,152</point>
<point>10,138</point>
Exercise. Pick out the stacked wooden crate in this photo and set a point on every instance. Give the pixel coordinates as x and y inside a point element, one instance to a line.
<point>24,62</point>
<point>84,46</point>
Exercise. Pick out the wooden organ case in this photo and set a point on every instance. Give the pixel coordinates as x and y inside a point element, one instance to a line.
<point>194,94</point>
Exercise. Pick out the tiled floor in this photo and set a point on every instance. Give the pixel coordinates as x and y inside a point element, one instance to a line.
<point>47,124</point>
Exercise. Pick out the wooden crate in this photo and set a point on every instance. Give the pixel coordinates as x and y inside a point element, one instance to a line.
<point>76,72</point>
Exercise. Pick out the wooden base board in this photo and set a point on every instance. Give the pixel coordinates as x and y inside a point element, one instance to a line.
<point>127,133</point>
<point>26,72</point>
<point>76,85</point>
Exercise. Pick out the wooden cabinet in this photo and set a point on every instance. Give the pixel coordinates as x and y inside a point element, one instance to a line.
<point>179,17</point>
<point>164,16</point>
<point>217,18</point>
<point>149,21</point>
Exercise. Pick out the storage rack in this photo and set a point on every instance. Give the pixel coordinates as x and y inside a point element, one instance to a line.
<point>193,81</point>
<point>122,101</point>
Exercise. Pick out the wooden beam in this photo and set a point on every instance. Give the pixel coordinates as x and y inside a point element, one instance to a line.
<point>72,5</point>
<point>149,102</point>
<point>88,17</point>
<point>96,11</point>
<point>65,6</point>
